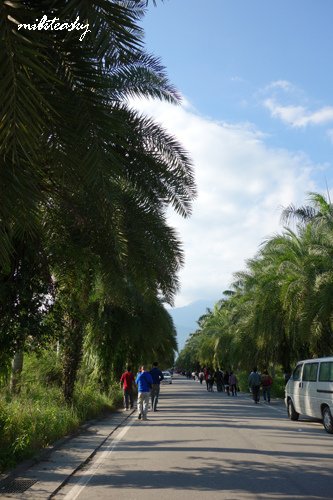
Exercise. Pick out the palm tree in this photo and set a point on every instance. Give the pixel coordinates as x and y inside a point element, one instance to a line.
<point>319,210</point>
<point>63,106</point>
<point>88,175</point>
<point>318,219</point>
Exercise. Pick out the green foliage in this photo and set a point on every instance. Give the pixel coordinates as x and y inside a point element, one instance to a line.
<point>31,422</point>
<point>279,309</point>
<point>87,258</point>
<point>85,246</point>
<point>43,367</point>
<point>242,378</point>
<point>39,415</point>
<point>278,385</point>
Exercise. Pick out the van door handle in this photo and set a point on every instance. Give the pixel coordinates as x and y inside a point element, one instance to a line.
<point>300,384</point>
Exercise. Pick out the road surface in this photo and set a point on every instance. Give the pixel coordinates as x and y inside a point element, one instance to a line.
<point>203,445</point>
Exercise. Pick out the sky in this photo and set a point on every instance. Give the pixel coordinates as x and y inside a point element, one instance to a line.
<point>256,118</point>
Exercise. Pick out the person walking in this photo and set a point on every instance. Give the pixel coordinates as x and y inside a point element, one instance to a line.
<point>157,376</point>
<point>233,383</point>
<point>226,382</point>
<point>126,382</point>
<point>210,381</point>
<point>219,380</point>
<point>254,384</point>
<point>206,373</point>
<point>266,383</point>
<point>208,378</point>
<point>201,376</point>
<point>144,383</point>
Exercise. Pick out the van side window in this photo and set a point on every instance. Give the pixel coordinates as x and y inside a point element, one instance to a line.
<point>310,372</point>
<point>326,371</point>
<point>297,373</point>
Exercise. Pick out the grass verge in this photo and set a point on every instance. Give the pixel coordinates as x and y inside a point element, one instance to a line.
<point>39,416</point>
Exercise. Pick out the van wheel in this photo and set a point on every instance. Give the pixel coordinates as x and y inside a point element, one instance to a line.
<point>327,420</point>
<point>292,413</point>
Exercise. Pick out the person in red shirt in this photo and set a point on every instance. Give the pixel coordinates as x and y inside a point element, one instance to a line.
<point>126,381</point>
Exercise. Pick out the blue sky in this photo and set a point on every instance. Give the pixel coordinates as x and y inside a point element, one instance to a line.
<point>256,118</point>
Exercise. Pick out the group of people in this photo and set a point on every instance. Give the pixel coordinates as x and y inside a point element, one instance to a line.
<point>148,384</point>
<point>260,380</point>
<point>225,381</point>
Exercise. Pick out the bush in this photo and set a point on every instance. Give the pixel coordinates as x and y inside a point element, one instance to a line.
<point>278,386</point>
<point>43,367</point>
<point>38,416</point>
<point>31,421</point>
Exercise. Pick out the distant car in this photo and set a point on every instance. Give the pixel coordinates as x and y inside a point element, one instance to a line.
<point>167,377</point>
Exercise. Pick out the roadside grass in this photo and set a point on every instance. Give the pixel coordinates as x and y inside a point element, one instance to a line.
<point>39,416</point>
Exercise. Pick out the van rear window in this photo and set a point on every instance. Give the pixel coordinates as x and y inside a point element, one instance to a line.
<point>310,371</point>
<point>326,371</point>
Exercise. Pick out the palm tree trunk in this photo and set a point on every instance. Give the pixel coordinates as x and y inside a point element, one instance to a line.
<point>72,355</point>
<point>17,366</point>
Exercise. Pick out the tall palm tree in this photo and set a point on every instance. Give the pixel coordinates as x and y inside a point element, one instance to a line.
<point>63,116</point>
<point>80,169</point>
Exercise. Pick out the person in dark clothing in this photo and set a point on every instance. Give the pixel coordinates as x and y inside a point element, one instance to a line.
<point>233,384</point>
<point>266,383</point>
<point>210,382</point>
<point>201,376</point>
<point>157,376</point>
<point>254,384</point>
<point>226,382</point>
<point>218,375</point>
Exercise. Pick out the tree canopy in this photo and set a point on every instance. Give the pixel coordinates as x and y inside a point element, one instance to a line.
<point>85,184</point>
<point>279,309</point>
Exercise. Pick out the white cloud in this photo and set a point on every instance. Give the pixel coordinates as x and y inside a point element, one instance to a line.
<point>237,79</point>
<point>289,103</point>
<point>242,185</point>
<point>281,84</point>
<point>299,116</point>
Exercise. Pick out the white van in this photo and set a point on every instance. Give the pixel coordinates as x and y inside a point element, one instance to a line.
<point>309,391</point>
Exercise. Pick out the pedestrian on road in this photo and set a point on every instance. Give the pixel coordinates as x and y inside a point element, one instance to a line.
<point>233,383</point>
<point>226,382</point>
<point>144,383</point>
<point>206,373</point>
<point>266,382</point>
<point>127,381</point>
<point>201,376</point>
<point>157,376</point>
<point>210,381</point>
<point>218,375</point>
<point>207,378</point>
<point>254,384</point>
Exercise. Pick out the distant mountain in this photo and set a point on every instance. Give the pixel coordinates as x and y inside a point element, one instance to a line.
<point>185,318</point>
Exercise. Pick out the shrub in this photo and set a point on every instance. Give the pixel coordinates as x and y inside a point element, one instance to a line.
<point>38,416</point>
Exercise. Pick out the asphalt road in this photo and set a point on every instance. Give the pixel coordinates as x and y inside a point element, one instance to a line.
<point>199,445</point>
<point>202,445</point>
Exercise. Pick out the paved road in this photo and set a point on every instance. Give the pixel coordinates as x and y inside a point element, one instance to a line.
<point>202,445</point>
<point>208,445</point>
